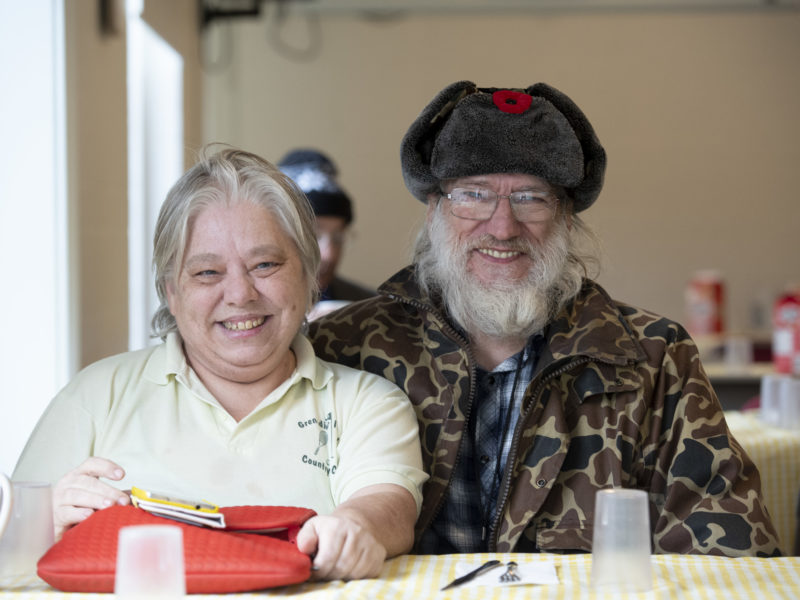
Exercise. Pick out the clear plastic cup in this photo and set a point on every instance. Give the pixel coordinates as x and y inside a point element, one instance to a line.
<point>150,562</point>
<point>770,402</point>
<point>26,529</point>
<point>738,353</point>
<point>621,541</point>
<point>789,402</point>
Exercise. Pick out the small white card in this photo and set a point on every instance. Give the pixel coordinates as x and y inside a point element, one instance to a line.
<point>540,572</point>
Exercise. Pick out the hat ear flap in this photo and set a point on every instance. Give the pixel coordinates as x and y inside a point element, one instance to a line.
<point>594,166</point>
<point>417,146</point>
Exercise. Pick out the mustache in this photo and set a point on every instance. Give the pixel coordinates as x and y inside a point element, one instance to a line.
<point>516,244</point>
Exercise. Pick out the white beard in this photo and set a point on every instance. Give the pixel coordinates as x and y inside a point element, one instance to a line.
<point>504,308</point>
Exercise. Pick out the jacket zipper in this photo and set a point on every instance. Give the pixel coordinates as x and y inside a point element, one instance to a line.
<point>471,364</point>
<point>512,454</point>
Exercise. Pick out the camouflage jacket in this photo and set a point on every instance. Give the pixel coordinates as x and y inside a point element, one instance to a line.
<point>619,398</point>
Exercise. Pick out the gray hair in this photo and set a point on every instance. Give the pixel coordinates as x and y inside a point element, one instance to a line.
<point>227,177</point>
<point>570,254</point>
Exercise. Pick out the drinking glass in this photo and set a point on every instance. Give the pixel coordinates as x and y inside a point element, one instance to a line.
<point>789,402</point>
<point>26,529</point>
<point>770,401</point>
<point>150,562</point>
<point>621,541</point>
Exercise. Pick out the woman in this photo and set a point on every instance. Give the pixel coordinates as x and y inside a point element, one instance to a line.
<point>233,406</point>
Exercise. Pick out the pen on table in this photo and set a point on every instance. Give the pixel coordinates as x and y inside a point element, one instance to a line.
<point>487,566</point>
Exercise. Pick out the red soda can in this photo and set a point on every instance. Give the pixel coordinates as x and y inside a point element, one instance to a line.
<point>786,334</point>
<point>705,303</point>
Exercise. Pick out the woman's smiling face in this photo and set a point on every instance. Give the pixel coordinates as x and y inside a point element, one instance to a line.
<point>239,297</point>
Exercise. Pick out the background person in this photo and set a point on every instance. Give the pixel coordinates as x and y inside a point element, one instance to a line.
<point>317,175</point>
<point>233,406</point>
<point>533,388</point>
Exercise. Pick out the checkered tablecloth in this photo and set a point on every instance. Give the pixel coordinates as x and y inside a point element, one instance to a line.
<point>776,453</point>
<point>422,577</point>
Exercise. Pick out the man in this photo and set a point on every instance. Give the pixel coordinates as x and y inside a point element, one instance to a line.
<point>533,388</point>
<point>316,175</point>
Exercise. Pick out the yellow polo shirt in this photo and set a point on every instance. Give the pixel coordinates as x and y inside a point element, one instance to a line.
<point>323,434</point>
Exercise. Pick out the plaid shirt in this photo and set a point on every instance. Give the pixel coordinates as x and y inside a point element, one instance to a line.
<point>471,501</point>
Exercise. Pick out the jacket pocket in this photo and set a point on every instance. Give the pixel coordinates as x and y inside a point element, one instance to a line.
<point>564,536</point>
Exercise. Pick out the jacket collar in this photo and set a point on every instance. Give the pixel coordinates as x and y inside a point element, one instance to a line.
<point>592,325</point>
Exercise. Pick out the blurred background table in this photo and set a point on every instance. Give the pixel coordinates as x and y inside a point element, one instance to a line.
<point>736,385</point>
<point>776,453</point>
<point>421,577</point>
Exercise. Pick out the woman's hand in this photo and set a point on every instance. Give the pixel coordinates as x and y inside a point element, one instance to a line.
<point>342,548</point>
<point>80,492</point>
<point>375,523</point>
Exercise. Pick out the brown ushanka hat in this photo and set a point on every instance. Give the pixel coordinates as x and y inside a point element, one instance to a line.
<point>467,130</point>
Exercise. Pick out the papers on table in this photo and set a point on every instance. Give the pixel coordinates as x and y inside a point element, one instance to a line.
<point>538,573</point>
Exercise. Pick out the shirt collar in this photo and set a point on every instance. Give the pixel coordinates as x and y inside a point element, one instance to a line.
<point>308,365</point>
<point>532,348</point>
<point>166,360</point>
<point>169,360</point>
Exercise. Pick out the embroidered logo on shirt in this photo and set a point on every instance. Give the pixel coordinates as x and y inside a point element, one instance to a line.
<point>325,428</point>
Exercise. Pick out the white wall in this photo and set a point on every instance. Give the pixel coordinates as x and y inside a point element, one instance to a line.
<point>697,110</point>
<point>52,328</point>
<point>35,353</point>
<point>155,159</point>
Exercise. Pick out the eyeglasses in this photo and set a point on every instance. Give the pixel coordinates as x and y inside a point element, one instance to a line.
<point>479,204</point>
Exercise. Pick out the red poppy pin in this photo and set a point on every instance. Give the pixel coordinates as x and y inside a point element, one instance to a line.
<point>512,101</point>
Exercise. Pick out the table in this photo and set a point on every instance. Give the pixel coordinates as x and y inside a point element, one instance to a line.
<point>421,577</point>
<point>776,453</point>
<point>736,385</point>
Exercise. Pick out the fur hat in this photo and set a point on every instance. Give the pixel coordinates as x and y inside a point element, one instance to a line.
<point>467,130</point>
<point>315,174</point>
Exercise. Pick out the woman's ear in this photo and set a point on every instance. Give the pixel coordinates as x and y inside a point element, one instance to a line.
<point>169,293</point>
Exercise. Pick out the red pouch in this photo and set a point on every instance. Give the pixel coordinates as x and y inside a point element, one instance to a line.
<point>217,561</point>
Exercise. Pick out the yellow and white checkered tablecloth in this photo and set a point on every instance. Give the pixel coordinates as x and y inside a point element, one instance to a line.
<point>422,577</point>
<point>776,453</point>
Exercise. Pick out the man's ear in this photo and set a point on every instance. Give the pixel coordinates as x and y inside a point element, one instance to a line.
<point>433,200</point>
<point>566,205</point>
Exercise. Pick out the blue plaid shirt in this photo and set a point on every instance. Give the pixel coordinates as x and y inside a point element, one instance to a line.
<point>470,504</point>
